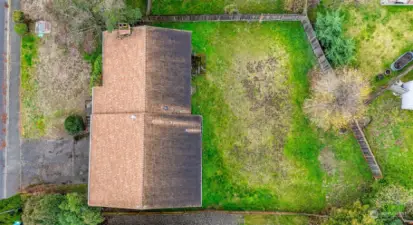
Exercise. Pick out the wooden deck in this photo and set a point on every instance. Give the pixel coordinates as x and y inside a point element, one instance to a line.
<point>365,149</point>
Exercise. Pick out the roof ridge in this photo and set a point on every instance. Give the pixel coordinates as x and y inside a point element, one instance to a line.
<point>144,116</point>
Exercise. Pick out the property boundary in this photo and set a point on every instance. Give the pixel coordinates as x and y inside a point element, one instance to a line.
<point>308,28</point>
<point>365,149</point>
<point>279,213</point>
<point>225,17</point>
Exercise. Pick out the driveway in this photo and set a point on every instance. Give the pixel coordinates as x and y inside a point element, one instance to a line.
<point>54,161</point>
<point>203,218</point>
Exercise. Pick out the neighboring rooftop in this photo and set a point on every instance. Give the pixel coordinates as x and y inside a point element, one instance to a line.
<point>397,2</point>
<point>145,145</point>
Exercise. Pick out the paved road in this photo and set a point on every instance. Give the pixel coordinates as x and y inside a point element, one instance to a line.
<point>2,106</point>
<point>11,178</point>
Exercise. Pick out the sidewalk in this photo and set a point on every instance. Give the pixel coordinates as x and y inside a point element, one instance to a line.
<point>12,174</point>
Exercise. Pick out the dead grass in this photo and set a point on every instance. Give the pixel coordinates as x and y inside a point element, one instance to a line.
<point>259,96</point>
<point>328,161</point>
<point>295,6</point>
<point>60,79</point>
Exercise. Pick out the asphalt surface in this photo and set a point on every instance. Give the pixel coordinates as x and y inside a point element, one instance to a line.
<point>206,218</point>
<point>2,106</point>
<point>54,161</point>
<point>11,154</point>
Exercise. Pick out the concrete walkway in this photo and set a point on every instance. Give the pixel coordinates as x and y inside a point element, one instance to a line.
<point>11,176</point>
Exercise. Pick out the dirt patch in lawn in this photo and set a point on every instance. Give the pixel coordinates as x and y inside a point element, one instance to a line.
<point>61,76</point>
<point>259,97</point>
<point>328,161</point>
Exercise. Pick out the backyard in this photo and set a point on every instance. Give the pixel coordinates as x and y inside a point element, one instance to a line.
<point>264,153</point>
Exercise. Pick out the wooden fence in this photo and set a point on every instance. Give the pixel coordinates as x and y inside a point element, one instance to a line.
<point>225,17</point>
<point>315,45</point>
<point>365,149</point>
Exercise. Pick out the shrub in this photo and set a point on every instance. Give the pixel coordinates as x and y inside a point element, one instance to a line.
<point>21,29</point>
<point>42,209</point>
<point>231,9</point>
<point>74,124</point>
<point>336,100</point>
<point>74,211</point>
<point>57,209</point>
<point>339,50</point>
<point>123,15</point>
<point>18,16</point>
<point>392,199</point>
<point>96,75</point>
<point>93,16</point>
<point>357,214</point>
<point>409,210</point>
<point>11,203</point>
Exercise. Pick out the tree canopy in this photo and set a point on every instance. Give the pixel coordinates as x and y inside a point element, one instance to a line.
<point>339,49</point>
<point>57,209</point>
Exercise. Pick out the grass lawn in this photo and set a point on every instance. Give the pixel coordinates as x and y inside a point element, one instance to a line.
<point>259,150</point>
<point>137,4</point>
<point>173,7</point>
<point>32,119</point>
<point>391,137</point>
<point>278,220</point>
<point>382,34</point>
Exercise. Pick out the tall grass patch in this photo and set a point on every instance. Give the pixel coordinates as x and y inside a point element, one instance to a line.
<point>33,122</point>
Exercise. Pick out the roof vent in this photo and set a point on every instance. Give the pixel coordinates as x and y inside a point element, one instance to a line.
<point>165,108</point>
<point>133,117</point>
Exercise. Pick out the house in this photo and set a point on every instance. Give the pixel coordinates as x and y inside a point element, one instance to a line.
<point>397,2</point>
<point>145,146</point>
<point>405,91</point>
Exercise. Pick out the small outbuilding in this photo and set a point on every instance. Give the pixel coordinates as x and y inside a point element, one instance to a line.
<point>145,146</point>
<point>42,27</point>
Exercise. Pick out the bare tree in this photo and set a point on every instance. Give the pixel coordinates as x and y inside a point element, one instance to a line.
<point>336,99</point>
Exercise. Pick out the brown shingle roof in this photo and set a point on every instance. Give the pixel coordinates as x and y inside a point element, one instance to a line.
<point>145,72</point>
<point>145,144</point>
